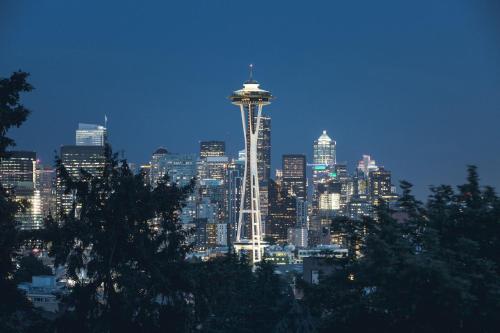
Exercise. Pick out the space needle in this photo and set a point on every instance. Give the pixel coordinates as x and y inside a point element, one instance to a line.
<point>250,99</point>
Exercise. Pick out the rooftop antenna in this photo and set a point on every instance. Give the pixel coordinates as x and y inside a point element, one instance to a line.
<point>251,72</point>
<point>105,121</point>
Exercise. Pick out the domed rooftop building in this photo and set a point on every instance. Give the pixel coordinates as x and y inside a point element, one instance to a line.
<point>324,137</point>
<point>325,150</point>
<point>160,151</point>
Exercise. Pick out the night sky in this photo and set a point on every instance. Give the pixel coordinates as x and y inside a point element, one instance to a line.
<point>414,84</point>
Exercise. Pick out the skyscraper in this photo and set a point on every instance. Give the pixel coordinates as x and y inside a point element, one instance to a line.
<point>212,149</point>
<point>46,184</point>
<point>235,171</point>
<point>211,192</point>
<point>213,167</point>
<point>282,212</point>
<point>380,186</point>
<point>181,170</point>
<point>264,149</point>
<point>326,189</point>
<point>91,135</point>
<point>251,100</point>
<point>158,167</point>
<point>324,150</point>
<point>324,158</point>
<point>18,177</point>
<point>294,175</point>
<point>90,159</point>
<point>367,165</point>
<point>17,168</point>
<point>264,167</point>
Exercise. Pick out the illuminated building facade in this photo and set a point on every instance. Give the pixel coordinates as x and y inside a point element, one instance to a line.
<point>234,186</point>
<point>91,135</point>
<point>381,188</point>
<point>46,184</point>
<point>264,166</point>
<point>282,212</point>
<point>212,149</point>
<point>294,175</point>
<point>324,158</point>
<point>91,159</point>
<point>18,178</point>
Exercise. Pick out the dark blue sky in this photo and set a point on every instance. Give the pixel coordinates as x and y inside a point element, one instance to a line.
<point>414,84</point>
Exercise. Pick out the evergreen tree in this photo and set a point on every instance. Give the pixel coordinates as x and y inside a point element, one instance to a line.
<point>229,297</point>
<point>435,272</point>
<point>16,313</point>
<point>123,247</point>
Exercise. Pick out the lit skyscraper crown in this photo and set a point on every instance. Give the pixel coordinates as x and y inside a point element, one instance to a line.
<point>324,137</point>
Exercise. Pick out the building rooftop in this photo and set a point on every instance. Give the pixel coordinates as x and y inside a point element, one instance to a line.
<point>324,137</point>
<point>160,151</point>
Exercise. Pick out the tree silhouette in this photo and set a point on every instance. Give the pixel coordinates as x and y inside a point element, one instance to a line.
<point>435,272</point>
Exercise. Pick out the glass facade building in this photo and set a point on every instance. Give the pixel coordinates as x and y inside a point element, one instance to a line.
<point>212,149</point>
<point>18,177</point>
<point>294,175</point>
<point>75,159</point>
<point>91,135</point>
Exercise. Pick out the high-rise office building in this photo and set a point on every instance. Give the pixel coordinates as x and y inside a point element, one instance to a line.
<point>372,182</point>
<point>216,234</point>
<point>340,175</point>
<point>326,195</point>
<point>234,184</point>
<point>46,184</point>
<point>181,168</point>
<point>380,186</point>
<point>90,159</point>
<point>324,158</point>
<point>18,178</point>
<point>282,212</point>
<point>91,135</point>
<point>324,150</point>
<point>212,191</point>
<point>211,194</point>
<point>17,168</point>
<point>264,149</point>
<point>213,167</point>
<point>298,237</point>
<point>367,165</point>
<point>212,149</point>
<point>264,166</point>
<point>294,175</point>
<point>157,169</point>
<point>359,207</point>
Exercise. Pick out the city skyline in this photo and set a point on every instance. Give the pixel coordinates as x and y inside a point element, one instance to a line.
<point>260,166</point>
<point>402,95</point>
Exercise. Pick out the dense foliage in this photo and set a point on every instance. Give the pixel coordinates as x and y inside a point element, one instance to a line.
<point>29,266</point>
<point>228,297</point>
<point>124,250</point>
<point>435,271</point>
<point>16,313</point>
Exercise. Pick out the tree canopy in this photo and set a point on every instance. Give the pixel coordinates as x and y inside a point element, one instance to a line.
<point>436,271</point>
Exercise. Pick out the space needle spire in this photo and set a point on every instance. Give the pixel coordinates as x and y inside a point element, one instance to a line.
<point>251,99</point>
